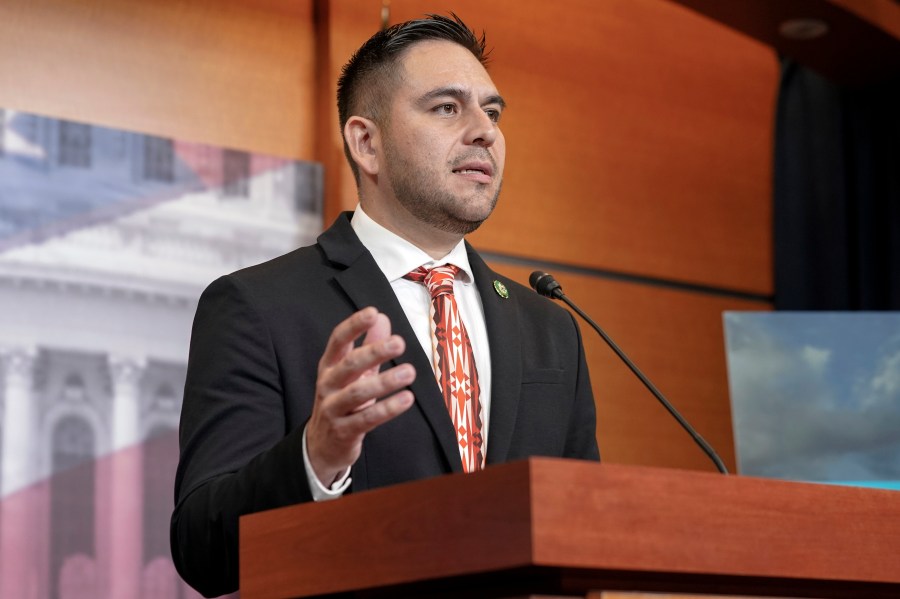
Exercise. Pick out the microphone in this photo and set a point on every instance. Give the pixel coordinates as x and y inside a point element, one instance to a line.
<point>546,285</point>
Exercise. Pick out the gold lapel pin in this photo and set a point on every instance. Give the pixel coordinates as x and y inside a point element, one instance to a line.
<point>501,289</point>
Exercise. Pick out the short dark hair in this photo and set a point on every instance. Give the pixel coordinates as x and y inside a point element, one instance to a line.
<point>370,75</point>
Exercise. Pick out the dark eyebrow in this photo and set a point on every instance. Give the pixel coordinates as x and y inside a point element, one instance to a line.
<point>496,99</point>
<point>460,94</point>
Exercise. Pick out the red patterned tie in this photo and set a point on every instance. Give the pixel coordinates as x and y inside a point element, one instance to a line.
<point>454,363</point>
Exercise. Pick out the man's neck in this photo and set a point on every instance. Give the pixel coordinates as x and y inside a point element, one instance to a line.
<point>434,242</point>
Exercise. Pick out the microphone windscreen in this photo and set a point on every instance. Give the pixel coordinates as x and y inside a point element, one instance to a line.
<point>545,284</point>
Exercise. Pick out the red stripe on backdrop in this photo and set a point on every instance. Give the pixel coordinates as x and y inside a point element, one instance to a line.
<point>132,491</point>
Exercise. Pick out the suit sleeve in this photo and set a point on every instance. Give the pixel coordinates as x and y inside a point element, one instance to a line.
<point>237,456</point>
<point>581,440</point>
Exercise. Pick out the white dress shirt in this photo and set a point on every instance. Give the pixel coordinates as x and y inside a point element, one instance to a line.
<point>396,257</point>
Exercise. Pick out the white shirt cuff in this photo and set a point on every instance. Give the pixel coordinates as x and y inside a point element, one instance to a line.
<point>319,491</point>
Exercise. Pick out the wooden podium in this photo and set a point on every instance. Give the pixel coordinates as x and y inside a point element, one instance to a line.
<point>570,528</point>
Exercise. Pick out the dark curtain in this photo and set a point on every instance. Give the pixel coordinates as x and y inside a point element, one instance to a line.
<point>837,194</point>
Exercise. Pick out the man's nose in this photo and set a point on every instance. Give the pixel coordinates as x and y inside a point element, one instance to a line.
<point>481,129</point>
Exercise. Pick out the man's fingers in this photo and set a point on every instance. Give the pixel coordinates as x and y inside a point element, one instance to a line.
<point>340,342</point>
<point>348,385</point>
<point>379,330</point>
<point>358,362</point>
<point>363,421</point>
<point>355,396</point>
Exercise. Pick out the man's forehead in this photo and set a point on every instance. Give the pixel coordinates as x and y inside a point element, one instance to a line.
<point>439,63</point>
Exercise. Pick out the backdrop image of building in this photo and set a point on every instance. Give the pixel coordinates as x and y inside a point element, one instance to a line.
<point>107,239</point>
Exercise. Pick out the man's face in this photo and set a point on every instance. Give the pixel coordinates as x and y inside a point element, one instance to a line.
<point>444,151</point>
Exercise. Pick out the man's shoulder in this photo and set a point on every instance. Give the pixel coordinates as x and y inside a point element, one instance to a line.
<point>295,263</point>
<point>336,247</point>
<point>526,297</point>
<point>301,273</point>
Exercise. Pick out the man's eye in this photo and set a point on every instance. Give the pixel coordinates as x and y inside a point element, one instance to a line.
<point>446,109</point>
<point>493,114</point>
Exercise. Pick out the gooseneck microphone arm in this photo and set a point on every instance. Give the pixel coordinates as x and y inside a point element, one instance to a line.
<point>547,286</point>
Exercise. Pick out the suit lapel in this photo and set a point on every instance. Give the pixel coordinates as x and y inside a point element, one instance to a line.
<point>501,316</point>
<point>365,285</point>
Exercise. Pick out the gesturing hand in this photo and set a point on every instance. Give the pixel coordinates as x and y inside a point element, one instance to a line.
<point>347,387</point>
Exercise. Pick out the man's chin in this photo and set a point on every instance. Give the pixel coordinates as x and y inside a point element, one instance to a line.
<point>459,226</point>
<point>466,223</point>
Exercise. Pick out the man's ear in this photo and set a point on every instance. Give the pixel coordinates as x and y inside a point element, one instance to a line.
<point>364,140</point>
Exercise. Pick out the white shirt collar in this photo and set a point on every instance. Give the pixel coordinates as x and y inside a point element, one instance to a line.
<point>396,256</point>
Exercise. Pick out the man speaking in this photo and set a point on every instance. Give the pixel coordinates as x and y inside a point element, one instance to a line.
<point>389,351</point>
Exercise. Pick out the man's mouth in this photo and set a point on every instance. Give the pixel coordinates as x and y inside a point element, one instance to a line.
<point>480,171</point>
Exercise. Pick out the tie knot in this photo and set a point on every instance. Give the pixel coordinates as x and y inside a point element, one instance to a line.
<point>438,280</point>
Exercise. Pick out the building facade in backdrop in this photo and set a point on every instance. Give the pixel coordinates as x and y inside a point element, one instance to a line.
<point>107,239</point>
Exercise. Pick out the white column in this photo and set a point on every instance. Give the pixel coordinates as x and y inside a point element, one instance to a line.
<point>19,468</point>
<point>19,509</point>
<point>126,480</point>
<point>126,381</point>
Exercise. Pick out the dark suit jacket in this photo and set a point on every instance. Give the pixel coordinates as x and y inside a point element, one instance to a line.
<point>257,338</point>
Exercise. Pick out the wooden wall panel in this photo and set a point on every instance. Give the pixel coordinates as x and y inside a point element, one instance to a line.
<point>676,338</point>
<point>226,72</point>
<point>342,27</point>
<point>639,141</point>
<point>639,137</point>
